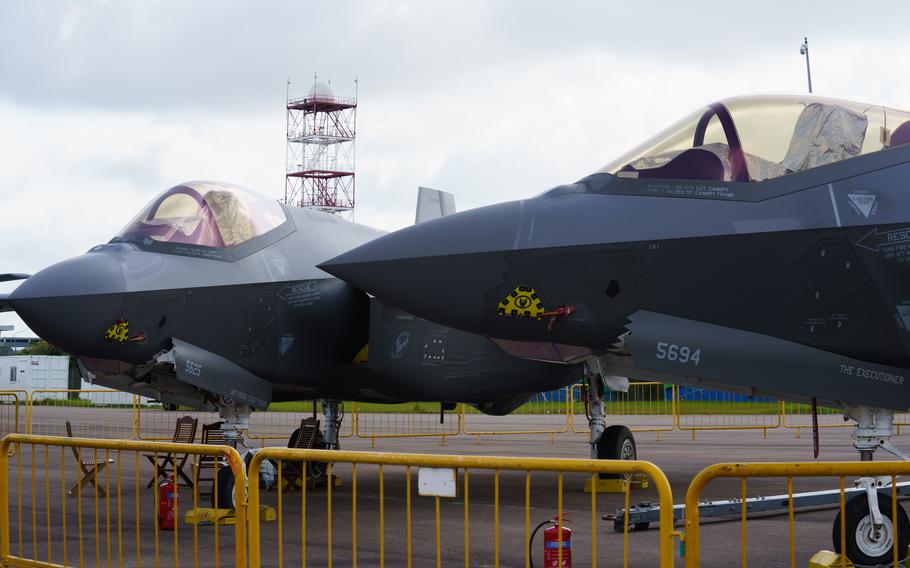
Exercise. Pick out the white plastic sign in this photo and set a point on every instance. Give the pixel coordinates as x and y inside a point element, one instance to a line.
<point>436,482</point>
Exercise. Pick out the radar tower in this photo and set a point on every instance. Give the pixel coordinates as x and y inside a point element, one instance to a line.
<point>319,170</point>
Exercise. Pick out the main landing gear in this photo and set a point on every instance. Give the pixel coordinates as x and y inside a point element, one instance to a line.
<point>868,517</point>
<point>236,418</point>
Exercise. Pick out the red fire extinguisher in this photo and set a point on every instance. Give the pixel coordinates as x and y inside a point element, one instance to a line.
<point>167,504</point>
<point>556,538</point>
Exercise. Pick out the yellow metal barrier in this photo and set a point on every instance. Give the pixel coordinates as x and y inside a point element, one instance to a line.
<point>647,407</point>
<point>840,470</point>
<point>797,416</point>
<point>93,525</point>
<point>154,423</point>
<point>13,411</point>
<point>277,425</point>
<point>545,413</point>
<point>96,413</point>
<point>701,409</point>
<point>319,517</point>
<point>403,421</point>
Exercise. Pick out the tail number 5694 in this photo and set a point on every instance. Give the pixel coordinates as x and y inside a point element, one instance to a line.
<point>679,353</point>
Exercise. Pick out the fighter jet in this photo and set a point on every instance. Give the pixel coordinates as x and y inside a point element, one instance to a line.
<point>760,244</point>
<point>210,297</point>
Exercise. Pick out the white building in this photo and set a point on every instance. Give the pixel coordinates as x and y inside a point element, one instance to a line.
<point>46,376</point>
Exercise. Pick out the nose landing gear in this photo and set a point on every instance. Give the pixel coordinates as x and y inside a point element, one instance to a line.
<point>607,443</point>
<point>868,518</point>
<point>236,424</point>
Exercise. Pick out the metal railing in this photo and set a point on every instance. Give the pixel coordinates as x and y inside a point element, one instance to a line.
<point>701,409</point>
<point>398,422</point>
<point>646,407</point>
<point>13,411</point>
<point>371,470</point>
<point>545,413</point>
<point>787,471</point>
<point>92,413</point>
<point>52,531</point>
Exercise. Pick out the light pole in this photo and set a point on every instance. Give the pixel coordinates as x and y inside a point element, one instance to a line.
<point>804,50</point>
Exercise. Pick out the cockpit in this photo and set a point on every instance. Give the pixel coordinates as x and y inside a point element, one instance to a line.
<point>204,214</point>
<point>751,139</point>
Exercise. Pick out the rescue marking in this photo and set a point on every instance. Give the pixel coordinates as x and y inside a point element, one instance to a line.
<point>522,302</point>
<point>118,332</point>
<point>874,240</point>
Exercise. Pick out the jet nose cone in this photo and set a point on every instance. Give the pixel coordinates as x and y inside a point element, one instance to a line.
<point>439,270</point>
<point>68,303</point>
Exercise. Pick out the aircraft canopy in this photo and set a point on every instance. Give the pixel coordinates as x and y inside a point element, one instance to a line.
<point>207,214</point>
<point>750,139</point>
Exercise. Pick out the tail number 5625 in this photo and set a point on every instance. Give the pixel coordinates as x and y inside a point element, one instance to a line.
<point>678,353</point>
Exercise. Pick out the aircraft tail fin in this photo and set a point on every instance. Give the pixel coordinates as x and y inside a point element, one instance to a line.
<point>433,203</point>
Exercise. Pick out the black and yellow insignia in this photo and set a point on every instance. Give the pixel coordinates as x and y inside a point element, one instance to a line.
<point>118,332</point>
<point>522,302</point>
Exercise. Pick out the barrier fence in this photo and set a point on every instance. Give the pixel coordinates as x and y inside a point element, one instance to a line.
<point>445,487</point>
<point>788,472</point>
<point>646,407</point>
<point>545,413</point>
<point>403,421</point>
<point>413,509</point>
<point>13,411</point>
<point>701,409</point>
<point>79,501</point>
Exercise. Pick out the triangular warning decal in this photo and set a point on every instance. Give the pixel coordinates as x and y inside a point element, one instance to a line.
<point>863,202</point>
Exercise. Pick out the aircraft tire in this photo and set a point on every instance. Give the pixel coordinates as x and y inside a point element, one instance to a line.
<point>224,497</point>
<point>862,547</point>
<point>316,472</point>
<point>616,443</point>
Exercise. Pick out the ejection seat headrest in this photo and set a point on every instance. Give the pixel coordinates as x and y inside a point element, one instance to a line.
<point>901,135</point>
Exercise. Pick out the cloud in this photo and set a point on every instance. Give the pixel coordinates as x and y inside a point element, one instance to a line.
<point>104,104</point>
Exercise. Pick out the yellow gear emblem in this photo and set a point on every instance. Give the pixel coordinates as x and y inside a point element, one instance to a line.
<point>522,302</point>
<point>118,332</point>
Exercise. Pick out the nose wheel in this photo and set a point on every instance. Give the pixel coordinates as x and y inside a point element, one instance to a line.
<point>616,443</point>
<point>866,543</point>
<point>607,443</point>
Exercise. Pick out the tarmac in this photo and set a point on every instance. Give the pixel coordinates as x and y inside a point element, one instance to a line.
<point>111,533</point>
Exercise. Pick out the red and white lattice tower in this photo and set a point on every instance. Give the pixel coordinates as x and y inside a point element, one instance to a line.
<point>319,169</point>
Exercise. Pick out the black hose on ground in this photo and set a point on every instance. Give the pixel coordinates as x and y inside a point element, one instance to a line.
<point>531,541</point>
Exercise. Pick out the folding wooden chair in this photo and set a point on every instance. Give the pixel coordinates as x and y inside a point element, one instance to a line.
<point>293,472</point>
<point>184,433</point>
<point>211,435</point>
<point>90,468</point>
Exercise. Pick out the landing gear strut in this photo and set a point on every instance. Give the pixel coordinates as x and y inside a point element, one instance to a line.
<point>607,443</point>
<point>236,424</point>
<point>868,518</point>
<point>333,410</point>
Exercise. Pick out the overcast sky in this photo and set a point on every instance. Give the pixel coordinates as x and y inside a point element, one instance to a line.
<point>104,104</point>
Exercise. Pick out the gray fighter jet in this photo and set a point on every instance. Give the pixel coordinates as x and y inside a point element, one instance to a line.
<point>210,297</point>
<point>761,244</point>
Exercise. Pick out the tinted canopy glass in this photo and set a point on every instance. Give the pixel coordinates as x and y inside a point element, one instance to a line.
<point>751,139</point>
<point>205,214</point>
